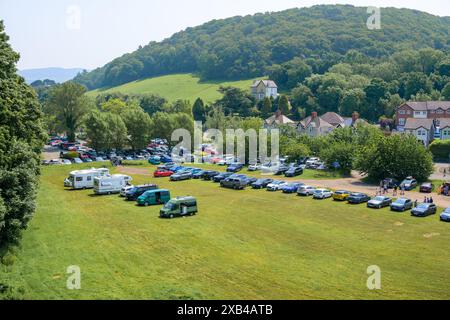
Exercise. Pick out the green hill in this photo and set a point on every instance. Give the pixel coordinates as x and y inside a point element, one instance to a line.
<point>244,47</point>
<point>177,86</point>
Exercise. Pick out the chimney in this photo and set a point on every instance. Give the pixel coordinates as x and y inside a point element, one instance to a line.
<point>314,115</point>
<point>355,116</point>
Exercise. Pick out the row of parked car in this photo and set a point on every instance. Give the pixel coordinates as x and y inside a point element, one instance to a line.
<point>237,181</point>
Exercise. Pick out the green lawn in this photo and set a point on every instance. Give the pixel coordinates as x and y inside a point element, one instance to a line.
<point>177,86</point>
<point>242,245</point>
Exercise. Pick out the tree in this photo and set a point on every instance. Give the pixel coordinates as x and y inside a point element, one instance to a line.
<point>235,101</point>
<point>266,108</point>
<point>69,104</point>
<point>96,127</point>
<point>199,110</point>
<point>446,92</point>
<point>180,106</point>
<point>116,132</point>
<point>116,106</point>
<point>340,154</point>
<point>139,125</point>
<point>352,100</point>
<point>396,156</point>
<point>417,82</point>
<point>296,151</point>
<point>22,137</point>
<point>283,104</point>
<point>165,124</point>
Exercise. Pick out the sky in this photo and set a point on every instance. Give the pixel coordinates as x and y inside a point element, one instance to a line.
<point>90,33</point>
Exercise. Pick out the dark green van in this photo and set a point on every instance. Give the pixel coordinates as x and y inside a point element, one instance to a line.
<point>181,206</point>
<point>154,197</point>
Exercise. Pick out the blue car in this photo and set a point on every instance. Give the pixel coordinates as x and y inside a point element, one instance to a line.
<point>291,187</point>
<point>445,216</point>
<point>166,159</point>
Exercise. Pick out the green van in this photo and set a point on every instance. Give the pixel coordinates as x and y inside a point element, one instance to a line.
<point>182,206</point>
<point>154,197</point>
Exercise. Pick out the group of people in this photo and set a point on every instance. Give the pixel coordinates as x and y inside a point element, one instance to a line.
<point>428,200</point>
<point>384,189</point>
<point>444,189</point>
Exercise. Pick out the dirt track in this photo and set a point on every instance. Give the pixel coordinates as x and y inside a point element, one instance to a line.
<point>351,184</point>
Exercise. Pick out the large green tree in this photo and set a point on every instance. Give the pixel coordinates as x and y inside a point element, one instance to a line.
<point>139,126</point>
<point>68,103</point>
<point>21,140</point>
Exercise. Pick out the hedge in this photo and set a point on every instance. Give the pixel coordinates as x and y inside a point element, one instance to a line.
<point>440,149</point>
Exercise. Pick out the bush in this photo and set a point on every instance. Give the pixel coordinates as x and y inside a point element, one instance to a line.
<point>440,149</point>
<point>70,155</point>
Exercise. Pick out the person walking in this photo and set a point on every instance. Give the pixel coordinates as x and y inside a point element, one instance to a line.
<point>394,194</point>
<point>402,190</point>
<point>431,200</point>
<point>415,203</point>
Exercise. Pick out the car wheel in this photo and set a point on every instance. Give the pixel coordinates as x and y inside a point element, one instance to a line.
<point>171,216</point>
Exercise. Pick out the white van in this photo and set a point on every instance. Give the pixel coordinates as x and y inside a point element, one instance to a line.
<point>84,179</point>
<point>111,183</point>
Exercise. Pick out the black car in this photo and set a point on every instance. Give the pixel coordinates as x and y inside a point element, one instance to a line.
<point>424,209</point>
<point>235,167</point>
<point>250,180</point>
<point>222,176</point>
<point>357,198</point>
<point>293,172</point>
<point>234,183</point>
<point>261,183</point>
<point>138,191</point>
<point>426,187</point>
<point>209,175</point>
<point>390,183</point>
<point>198,174</point>
<point>402,204</point>
<point>181,175</point>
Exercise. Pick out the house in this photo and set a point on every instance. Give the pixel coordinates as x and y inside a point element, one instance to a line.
<point>444,129</point>
<point>422,129</point>
<point>264,89</point>
<point>317,126</point>
<point>276,120</point>
<point>435,110</point>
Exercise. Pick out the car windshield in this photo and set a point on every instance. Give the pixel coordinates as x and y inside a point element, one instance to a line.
<point>169,206</point>
<point>407,181</point>
<point>423,206</point>
<point>447,210</point>
<point>379,198</point>
<point>401,201</point>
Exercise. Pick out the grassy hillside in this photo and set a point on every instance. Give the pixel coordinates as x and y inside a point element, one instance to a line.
<point>241,245</point>
<point>177,86</point>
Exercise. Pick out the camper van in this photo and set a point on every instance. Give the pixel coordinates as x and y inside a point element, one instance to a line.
<point>111,183</point>
<point>182,206</point>
<point>154,197</point>
<point>84,179</point>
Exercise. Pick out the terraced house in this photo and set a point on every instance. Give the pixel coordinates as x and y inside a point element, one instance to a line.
<point>435,110</point>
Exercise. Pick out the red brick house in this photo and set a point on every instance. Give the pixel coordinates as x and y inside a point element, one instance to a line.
<point>422,110</point>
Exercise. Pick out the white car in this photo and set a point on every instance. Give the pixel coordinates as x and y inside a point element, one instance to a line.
<point>226,161</point>
<point>322,194</point>
<point>276,185</point>
<point>306,191</point>
<point>125,189</point>
<point>312,162</point>
<point>254,167</point>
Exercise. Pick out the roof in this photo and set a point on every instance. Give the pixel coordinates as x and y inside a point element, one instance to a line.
<point>427,105</point>
<point>444,123</point>
<point>332,118</point>
<point>279,119</point>
<point>412,123</point>
<point>317,122</point>
<point>267,83</point>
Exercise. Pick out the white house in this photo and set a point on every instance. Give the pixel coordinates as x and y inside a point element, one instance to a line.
<point>264,88</point>
<point>422,129</point>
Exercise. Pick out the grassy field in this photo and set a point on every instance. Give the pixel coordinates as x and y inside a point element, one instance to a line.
<point>178,86</point>
<point>242,245</point>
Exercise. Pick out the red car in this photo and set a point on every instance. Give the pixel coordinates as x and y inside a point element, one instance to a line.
<point>160,173</point>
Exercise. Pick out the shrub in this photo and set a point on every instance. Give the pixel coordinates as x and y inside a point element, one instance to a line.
<point>440,149</point>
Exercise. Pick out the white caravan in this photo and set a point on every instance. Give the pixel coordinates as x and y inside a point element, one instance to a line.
<point>84,179</point>
<point>111,183</point>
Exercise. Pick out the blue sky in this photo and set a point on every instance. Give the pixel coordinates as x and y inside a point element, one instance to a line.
<point>90,33</point>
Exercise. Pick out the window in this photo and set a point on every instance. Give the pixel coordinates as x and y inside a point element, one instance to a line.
<point>401,112</point>
<point>439,111</point>
<point>448,111</point>
<point>401,121</point>
<point>89,178</point>
<point>79,179</point>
